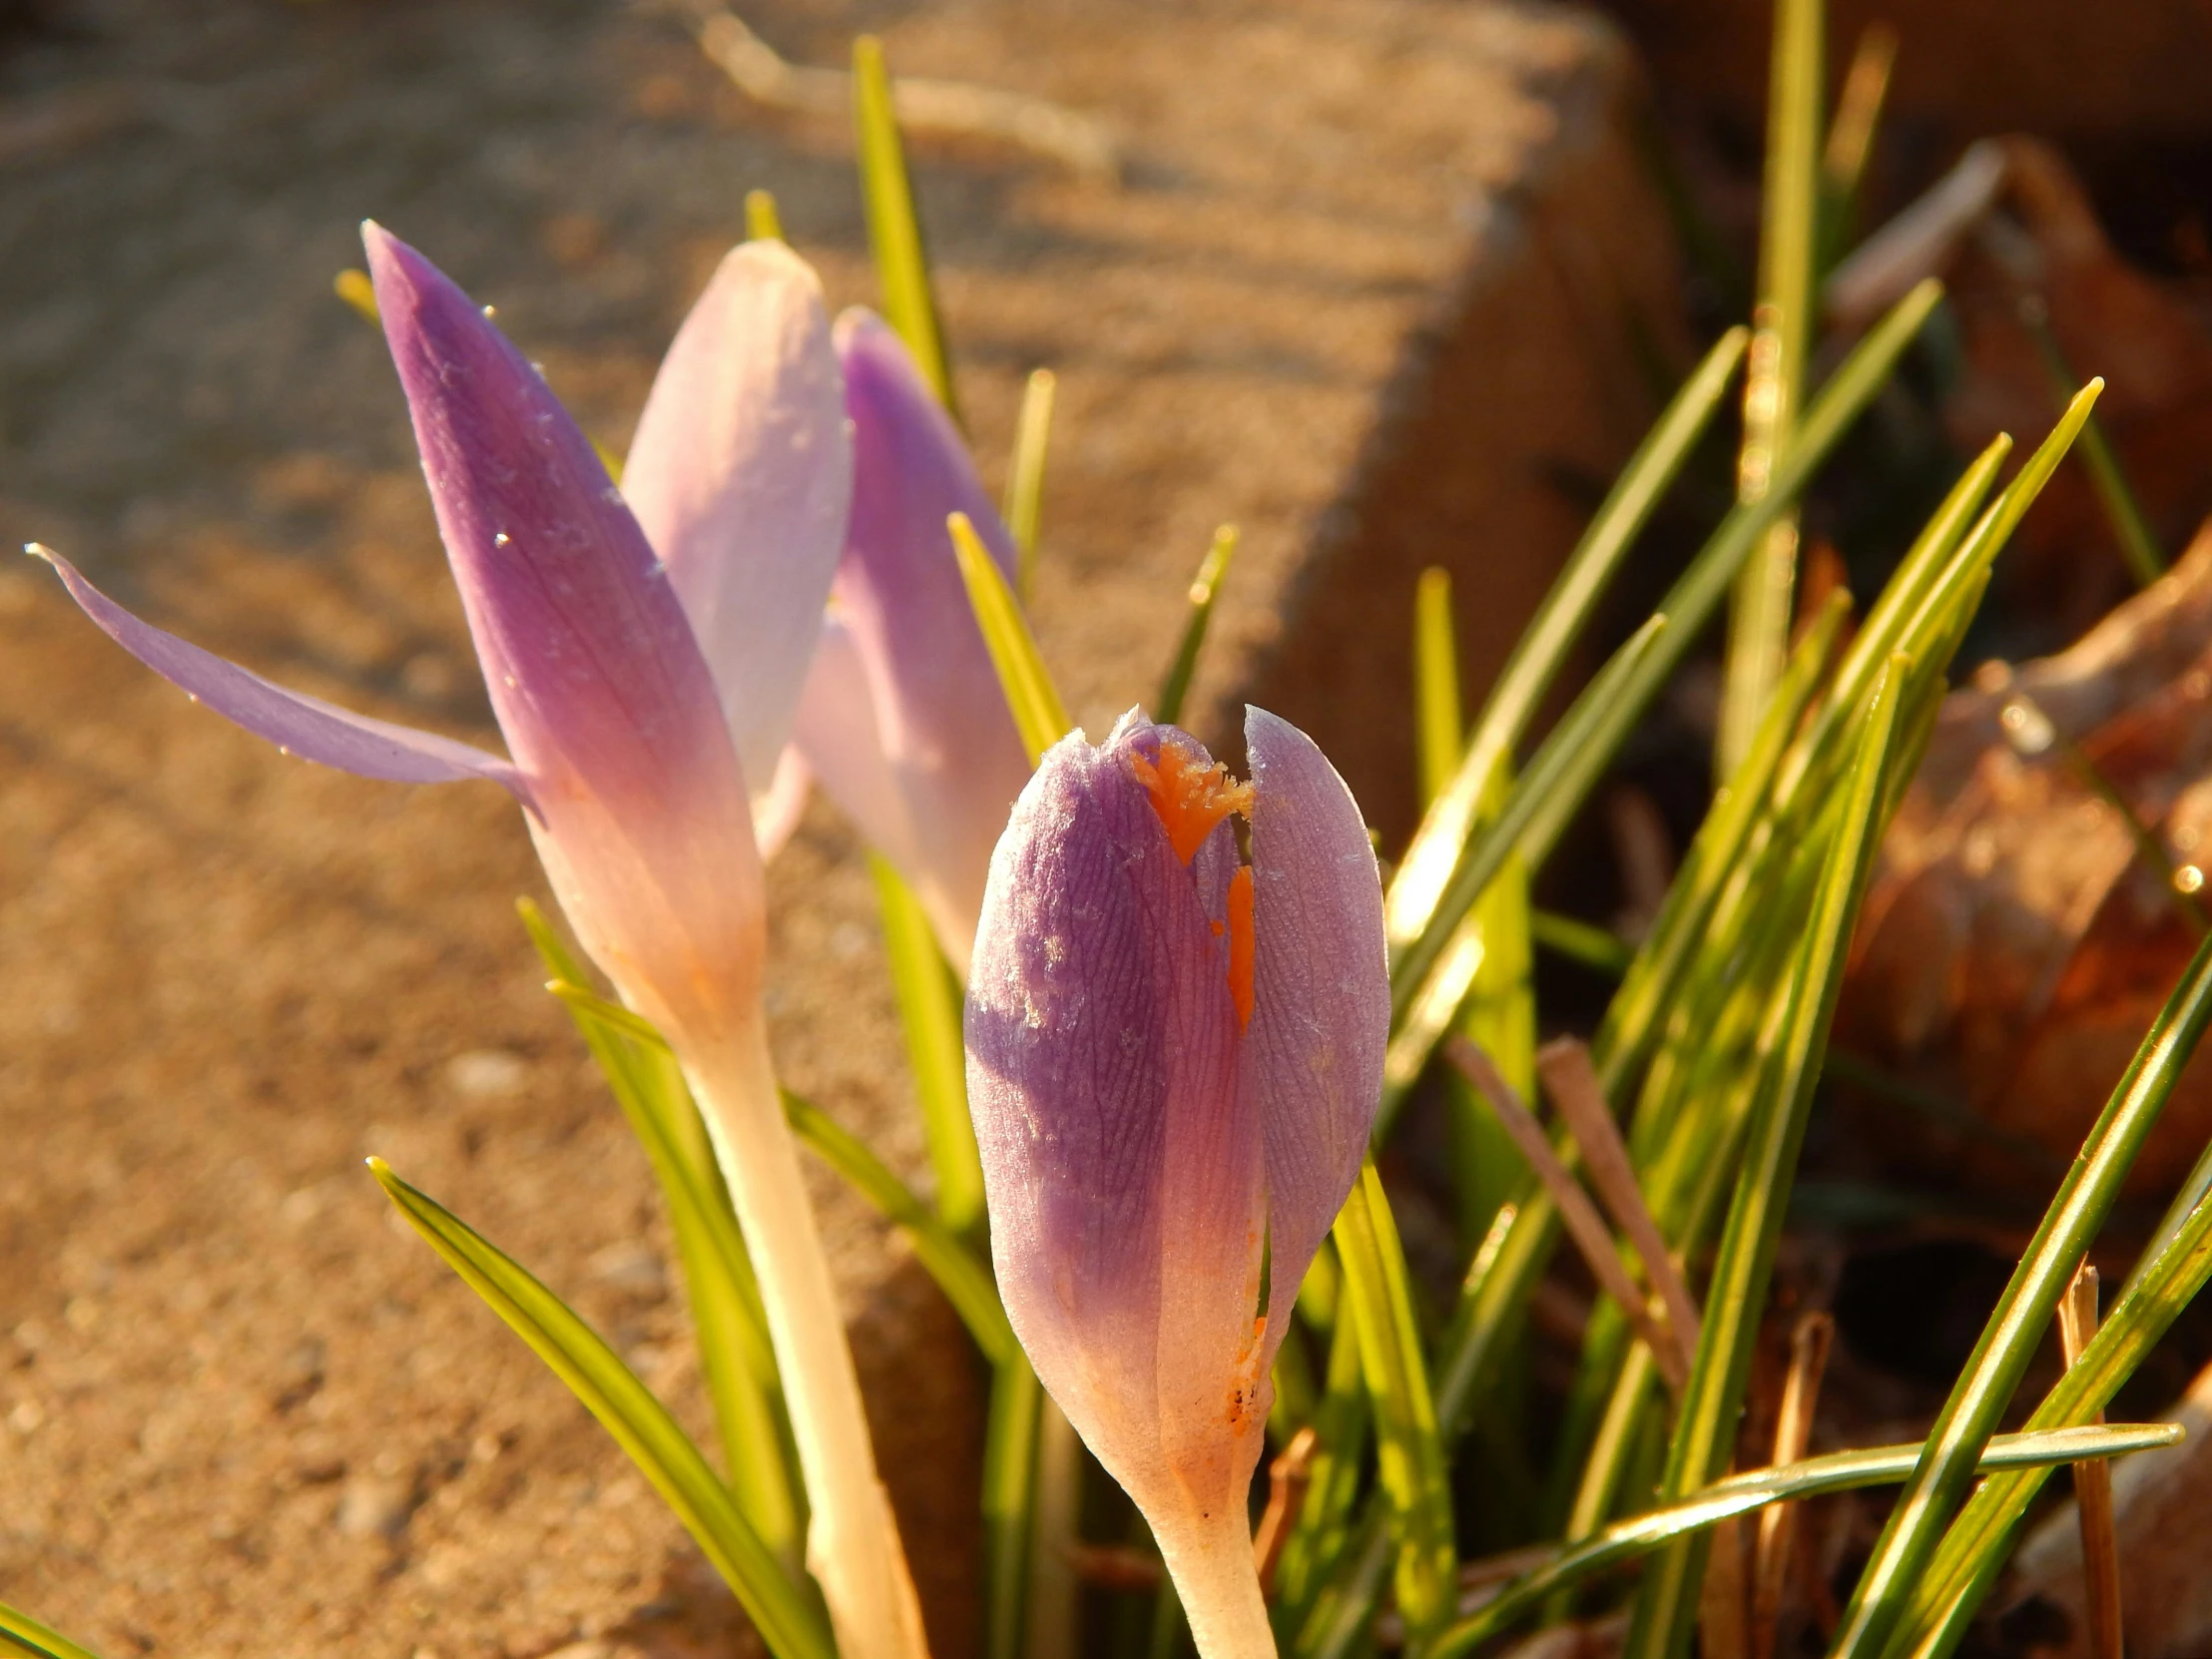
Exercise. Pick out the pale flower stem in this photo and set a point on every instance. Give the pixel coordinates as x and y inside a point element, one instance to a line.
<point>1219,1584</point>
<point>853,1545</point>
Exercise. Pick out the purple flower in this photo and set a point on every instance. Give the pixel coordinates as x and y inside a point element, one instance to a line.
<point>632,695</point>
<point>902,719</point>
<point>1173,1061</point>
<point>620,751</point>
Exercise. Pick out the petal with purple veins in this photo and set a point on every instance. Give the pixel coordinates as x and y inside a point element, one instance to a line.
<point>601,690</point>
<point>1102,1057</point>
<point>1320,991</point>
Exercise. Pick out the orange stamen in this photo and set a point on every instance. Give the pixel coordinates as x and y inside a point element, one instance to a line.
<point>1190,798</point>
<point>1240,943</point>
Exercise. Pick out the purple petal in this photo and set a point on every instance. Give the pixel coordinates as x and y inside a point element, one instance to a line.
<point>740,475</point>
<point>836,733</point>
<point>1321,1015</point>
<point>940,717</point>
<point>1123,1174</point>
<point>606,704</point>
<point>296,723</point>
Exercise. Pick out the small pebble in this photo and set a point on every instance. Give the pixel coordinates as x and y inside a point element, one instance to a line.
<point>374,1507</point>
<point>488,1073</point>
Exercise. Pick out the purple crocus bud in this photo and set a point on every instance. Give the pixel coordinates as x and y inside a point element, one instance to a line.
<point>902,719</point>
<point>740,475</point>
<point>1174,1062</point>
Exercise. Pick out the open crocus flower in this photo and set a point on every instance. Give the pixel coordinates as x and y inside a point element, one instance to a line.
<point>633,697</point>
<point>904,721</point>
<point>1173,1061</point>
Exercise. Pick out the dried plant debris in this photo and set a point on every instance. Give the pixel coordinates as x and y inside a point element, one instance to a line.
<point>2162,1502</point>
<point>2037,897</point>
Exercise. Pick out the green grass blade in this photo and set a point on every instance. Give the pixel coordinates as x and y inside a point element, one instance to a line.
<point>1973,1550</point>
<point>1412,1471</point>
<point>1333,1482</point>
<point>1437,712</point>
<point>1560,774</point>
<point>1736,1295</point>
<point>893,225</point>
<point>1500,1017</point>
<point>929,999</point>
<point>1543,649</point>
<point>1851,136</point>
<point>25,1635</point>
<point>959,1272</point>
<point>1498,1013</point>
<point>1175,689</point>
<point>1557,783</point>
<point>1745,1493</point>
<point>1655,972</point>
<point>736,1358</point>
<point>1040,715</point>
<point>2146,560</point>
<point>787,1615</point>
<point>1009,1488</point>
<point>761,222</point>
<point>1025,477</point>
<point>353,287</point>
<point>1597,948</point>
<point>1051,1611</point>
<point>1789,245</point>
<point>2022,1314</point>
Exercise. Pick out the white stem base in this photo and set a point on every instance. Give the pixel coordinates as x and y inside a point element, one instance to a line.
<point>853,1545</point>
<point>1214,1575</point>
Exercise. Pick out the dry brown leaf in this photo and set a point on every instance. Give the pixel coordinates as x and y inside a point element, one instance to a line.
<point>2016,943</point>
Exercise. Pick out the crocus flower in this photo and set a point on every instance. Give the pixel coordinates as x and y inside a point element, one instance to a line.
<point>903,721</point>
<point>632,695</point>
<point>1173,1061</point>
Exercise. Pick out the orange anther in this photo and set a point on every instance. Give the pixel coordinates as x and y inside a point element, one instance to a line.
<point>1240,943</point>
<point>1190,798</point>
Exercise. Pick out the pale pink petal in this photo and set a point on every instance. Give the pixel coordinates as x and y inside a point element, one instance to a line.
<point>740,474</point>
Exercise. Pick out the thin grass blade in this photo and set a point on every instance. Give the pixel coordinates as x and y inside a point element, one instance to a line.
<point>1851,136</point>
<point>1541,650</point>
<point>1565,769</point>
<point>1175,689</point>
<point>1040,715</point>
<point>2022,1314</point>
<point>1666,1603</point>
<point>1413,1469</point>
<point>1025,477</point>
<point>787,1615</point>
<point>25,1635</point>
<point>736,1358</point>
<point>761,222</point>
<point>959,1271</point>
<point>1974,1549</point>
<point>1783,321</point>
<point>929,999</point>
<point>893,225</point>
<point>2124,508</point>
<point>1009,1487</point>
<point>1745,1494</point>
